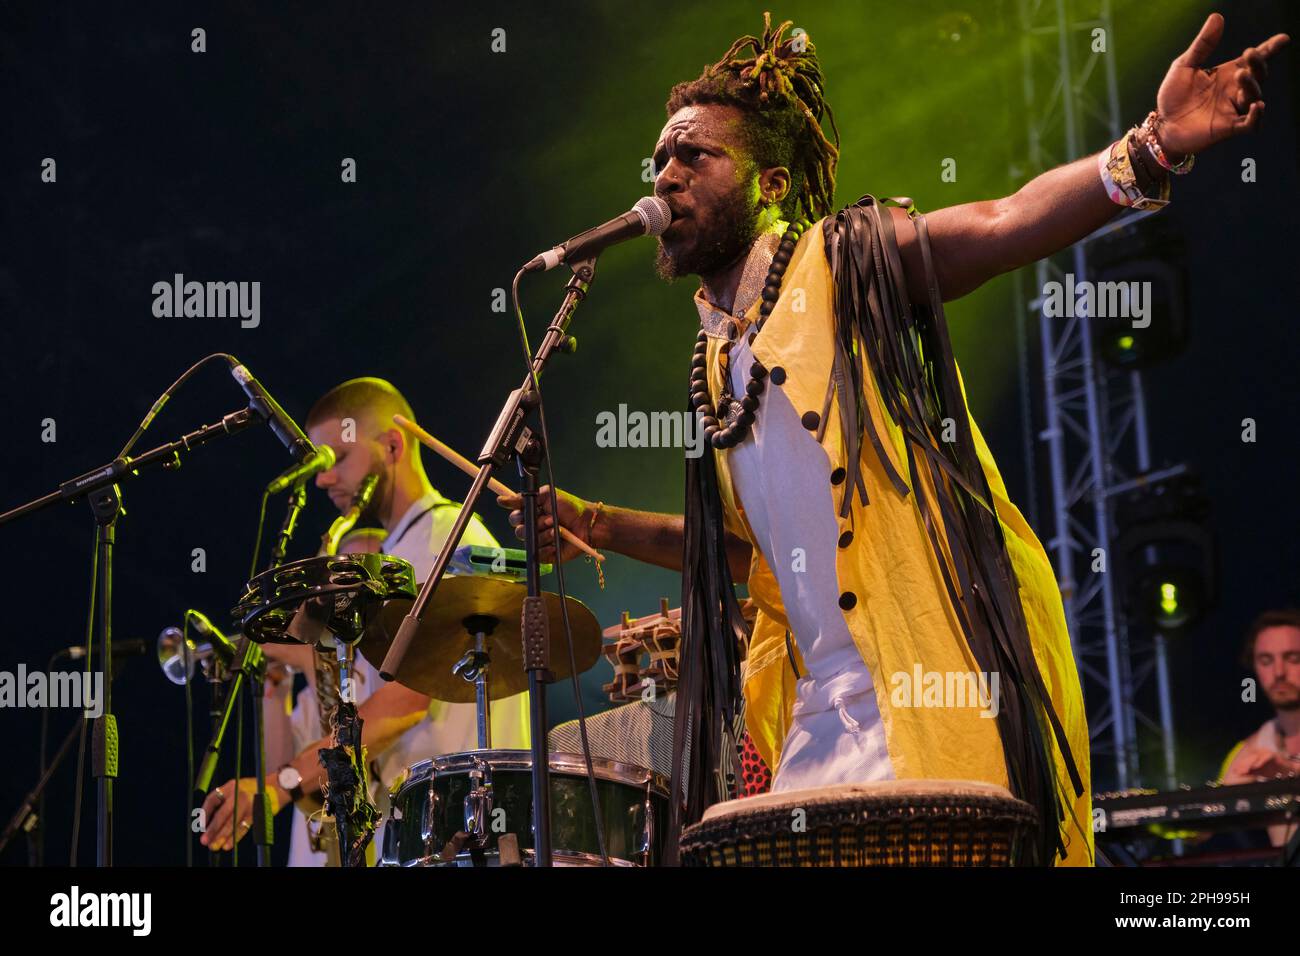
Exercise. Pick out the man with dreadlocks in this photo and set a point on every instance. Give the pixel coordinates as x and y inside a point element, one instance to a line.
<point>848,485</point>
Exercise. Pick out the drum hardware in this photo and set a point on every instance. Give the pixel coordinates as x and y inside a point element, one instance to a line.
<point>478,804</point>
<point>648,830</point>
<point>473,668</point>
<point>433,805</point>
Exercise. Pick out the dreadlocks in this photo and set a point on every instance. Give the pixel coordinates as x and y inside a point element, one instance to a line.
<point>780,90</point>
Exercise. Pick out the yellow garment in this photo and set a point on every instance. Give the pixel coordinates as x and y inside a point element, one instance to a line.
<point>1227,761</point>
<point>902,616</point>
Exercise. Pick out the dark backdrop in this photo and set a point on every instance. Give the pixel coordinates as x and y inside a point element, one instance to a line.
<point>225,165</point>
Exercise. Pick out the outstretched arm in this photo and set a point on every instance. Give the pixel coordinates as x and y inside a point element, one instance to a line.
<point>642,535</point>
<point>1195,108</point>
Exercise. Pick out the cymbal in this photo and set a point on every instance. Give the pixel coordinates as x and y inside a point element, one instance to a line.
<point>443,638</point>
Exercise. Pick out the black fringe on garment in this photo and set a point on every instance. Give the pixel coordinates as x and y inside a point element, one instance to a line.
<point>709,705</point>
<point>906,350</point>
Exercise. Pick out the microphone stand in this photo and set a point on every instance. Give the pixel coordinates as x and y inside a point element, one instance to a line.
<point>30,814</point>
<point>100,488</point>
<point>511,438</point>
<point>252,666</point>
<point>263,828</point>
<point>297,501</point>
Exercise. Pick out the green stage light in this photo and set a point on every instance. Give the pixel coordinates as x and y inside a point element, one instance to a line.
<point>1168,599</point>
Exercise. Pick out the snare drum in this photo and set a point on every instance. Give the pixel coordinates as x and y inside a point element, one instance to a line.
<point>490,793</point>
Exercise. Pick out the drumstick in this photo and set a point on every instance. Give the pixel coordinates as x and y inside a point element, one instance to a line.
<point>467,466</point>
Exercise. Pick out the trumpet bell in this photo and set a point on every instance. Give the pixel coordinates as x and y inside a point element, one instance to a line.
<point>171,655</point>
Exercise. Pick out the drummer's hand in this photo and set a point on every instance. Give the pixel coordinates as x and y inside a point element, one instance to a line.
<point>219,809</point>
<point>575,515</point>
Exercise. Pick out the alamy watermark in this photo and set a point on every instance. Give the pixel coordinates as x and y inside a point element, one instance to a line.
<point>209,300</point>
<point>133,911</point>
<point>1102,300</point>
<point>638,429</point>
<point>36,689</point>
<point>918,688</point>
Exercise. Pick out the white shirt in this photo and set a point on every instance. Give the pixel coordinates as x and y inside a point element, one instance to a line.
<point>782,479</point>
<point>448,728</point>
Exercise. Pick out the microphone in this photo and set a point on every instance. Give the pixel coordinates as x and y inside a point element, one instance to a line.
<point>285,428</point>
<point>346,521</point>
<point>649,217</point>
<point>367,491</point>
<point>322,459</point>
<point>130,648</point>
<point>173,655</point>
<point>222,646</point>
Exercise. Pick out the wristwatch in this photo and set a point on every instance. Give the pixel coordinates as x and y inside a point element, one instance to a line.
<point>291,780</point>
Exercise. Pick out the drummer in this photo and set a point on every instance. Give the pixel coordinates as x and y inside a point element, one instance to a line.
<point>402,726</point>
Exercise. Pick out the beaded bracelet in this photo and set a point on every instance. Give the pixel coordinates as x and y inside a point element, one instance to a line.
<point>1182,167</point>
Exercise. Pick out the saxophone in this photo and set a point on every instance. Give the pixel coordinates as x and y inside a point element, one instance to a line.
<point>329,693</point>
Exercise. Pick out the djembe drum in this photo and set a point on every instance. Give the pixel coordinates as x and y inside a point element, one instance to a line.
<point>891,823</point>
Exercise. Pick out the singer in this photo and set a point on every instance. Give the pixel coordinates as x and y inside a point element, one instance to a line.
<point>839,431</point>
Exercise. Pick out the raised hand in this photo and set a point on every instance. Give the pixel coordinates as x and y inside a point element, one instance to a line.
<point>1199,105</point>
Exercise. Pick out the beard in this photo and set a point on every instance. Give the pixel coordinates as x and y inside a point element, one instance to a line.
<point>730,233</point>
<point>372,516</point>
<point>1283,696</point>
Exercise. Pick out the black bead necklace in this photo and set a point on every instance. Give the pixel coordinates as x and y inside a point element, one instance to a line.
<point>727,427</point>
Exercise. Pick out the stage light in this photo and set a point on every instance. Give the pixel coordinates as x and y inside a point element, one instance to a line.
<point>1144,261</point>
<point>1165,552</point>
<point>1168,598</point>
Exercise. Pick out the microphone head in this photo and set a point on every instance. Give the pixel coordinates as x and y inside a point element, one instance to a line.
<point>365,493</point>
<point>654,212</point>
<point>327,457</point>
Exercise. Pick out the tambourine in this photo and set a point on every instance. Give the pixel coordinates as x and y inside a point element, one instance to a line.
<point>335,595</point>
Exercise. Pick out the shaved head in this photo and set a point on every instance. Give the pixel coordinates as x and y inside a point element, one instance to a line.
<point>373,401</point>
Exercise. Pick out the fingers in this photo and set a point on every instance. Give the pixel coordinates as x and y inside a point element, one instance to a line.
<point>1247,92</point>
<point>217,832</point>
<point>516,499</point>
<point>219,810</point>
<point>545,533</point>
<point>1255,61</point>
<point>1251,119</point>
<point>1205,42</point>
<point>1273,44</point>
